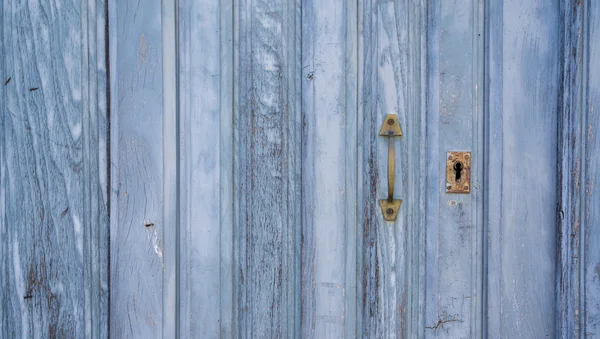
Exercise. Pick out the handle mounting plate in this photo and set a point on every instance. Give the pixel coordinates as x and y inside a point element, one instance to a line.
<point>390,126</point>
<point>390,208</point>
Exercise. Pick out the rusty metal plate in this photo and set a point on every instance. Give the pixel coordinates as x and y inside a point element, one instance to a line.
<point>458,172</point>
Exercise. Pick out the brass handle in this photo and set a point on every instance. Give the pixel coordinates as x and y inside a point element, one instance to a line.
<point>390,128</point>
<point>391,168</point>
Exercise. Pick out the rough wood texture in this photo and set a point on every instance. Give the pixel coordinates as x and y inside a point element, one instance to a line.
<point>454,123</point>
<point>578,272</point>
<point>572,143</point>
<point>590,175</point>
<point>136,260</point>
<point>391,75</point>
<point>245,169</point>
<point>523,89</point>
<point>53,171</point>
<point>266,179</point>
<point>329,186</point>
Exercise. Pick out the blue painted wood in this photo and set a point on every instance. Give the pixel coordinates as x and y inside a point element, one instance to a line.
<point>391,254</point>
<point>53,170</point>
<point>266,179</point>
<point>245,169</point>
<point>572,144</point>
<point>590,175</point>
<point>579,258</point>
<point>206,98</point>
<point>454,228</point>
<point>524,88</point>
<point>329,165</point>
<point>137,253</point>
<point>171,312</point>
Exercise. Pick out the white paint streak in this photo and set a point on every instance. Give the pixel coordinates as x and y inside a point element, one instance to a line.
<point>19,285</point>
<point>153,237</point>
<point>78,234</point>
<point>76,130</point>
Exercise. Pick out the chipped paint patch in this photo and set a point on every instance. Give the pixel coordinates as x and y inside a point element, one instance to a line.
<point>153,238</point>
<point>76,131</point>
<point>78,234</point>
<point>19,282</point>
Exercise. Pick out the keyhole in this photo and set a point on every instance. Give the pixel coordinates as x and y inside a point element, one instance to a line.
<point>458,166</point>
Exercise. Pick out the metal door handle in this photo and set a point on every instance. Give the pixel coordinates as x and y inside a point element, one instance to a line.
<point>390,128</point>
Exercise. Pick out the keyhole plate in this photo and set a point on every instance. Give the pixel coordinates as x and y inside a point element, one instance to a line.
<point>463,183</point>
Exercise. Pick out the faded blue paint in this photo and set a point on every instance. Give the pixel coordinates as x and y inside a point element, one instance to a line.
<point>53,178</point>
<point>245,169</point>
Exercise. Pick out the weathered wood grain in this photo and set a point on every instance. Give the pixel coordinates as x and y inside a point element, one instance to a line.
<point>525,79</point>
<point>570,304</point>
<point>206,96</point>
<point>454,123</point>
<point>266,180</point>
<point>578,291</point>
<point>137,229</point>
<point>329,165</point>
<point>590,175</point>
<point>53,170</point>
<point>391,74</point>
<point>245,169</point>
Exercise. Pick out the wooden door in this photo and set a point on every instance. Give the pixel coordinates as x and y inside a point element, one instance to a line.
<point>203,169</point>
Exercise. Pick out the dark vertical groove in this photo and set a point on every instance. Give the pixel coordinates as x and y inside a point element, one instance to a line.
<point>583,105</point>
<point>177,181</point>
<point>485,170</point>
<point>108,156</point>
<point>563,248</point>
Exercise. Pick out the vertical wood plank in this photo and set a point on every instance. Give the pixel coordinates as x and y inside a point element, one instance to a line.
<point>523,240</point>
<point>206,52</point>
<point>590,175</point>
<point>95,167</point>
<point>53,211</point>
<point>569,278</point>
<point>137,238</point>
<point>227,302</point>
<point>454,123</point>
<point>493,202</point>
<point>392,81</point>
<point>171,310</point>
<point>265,175</point>
<point>329,169</point>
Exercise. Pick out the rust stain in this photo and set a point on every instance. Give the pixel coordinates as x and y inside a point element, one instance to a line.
<point>458,172</point>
